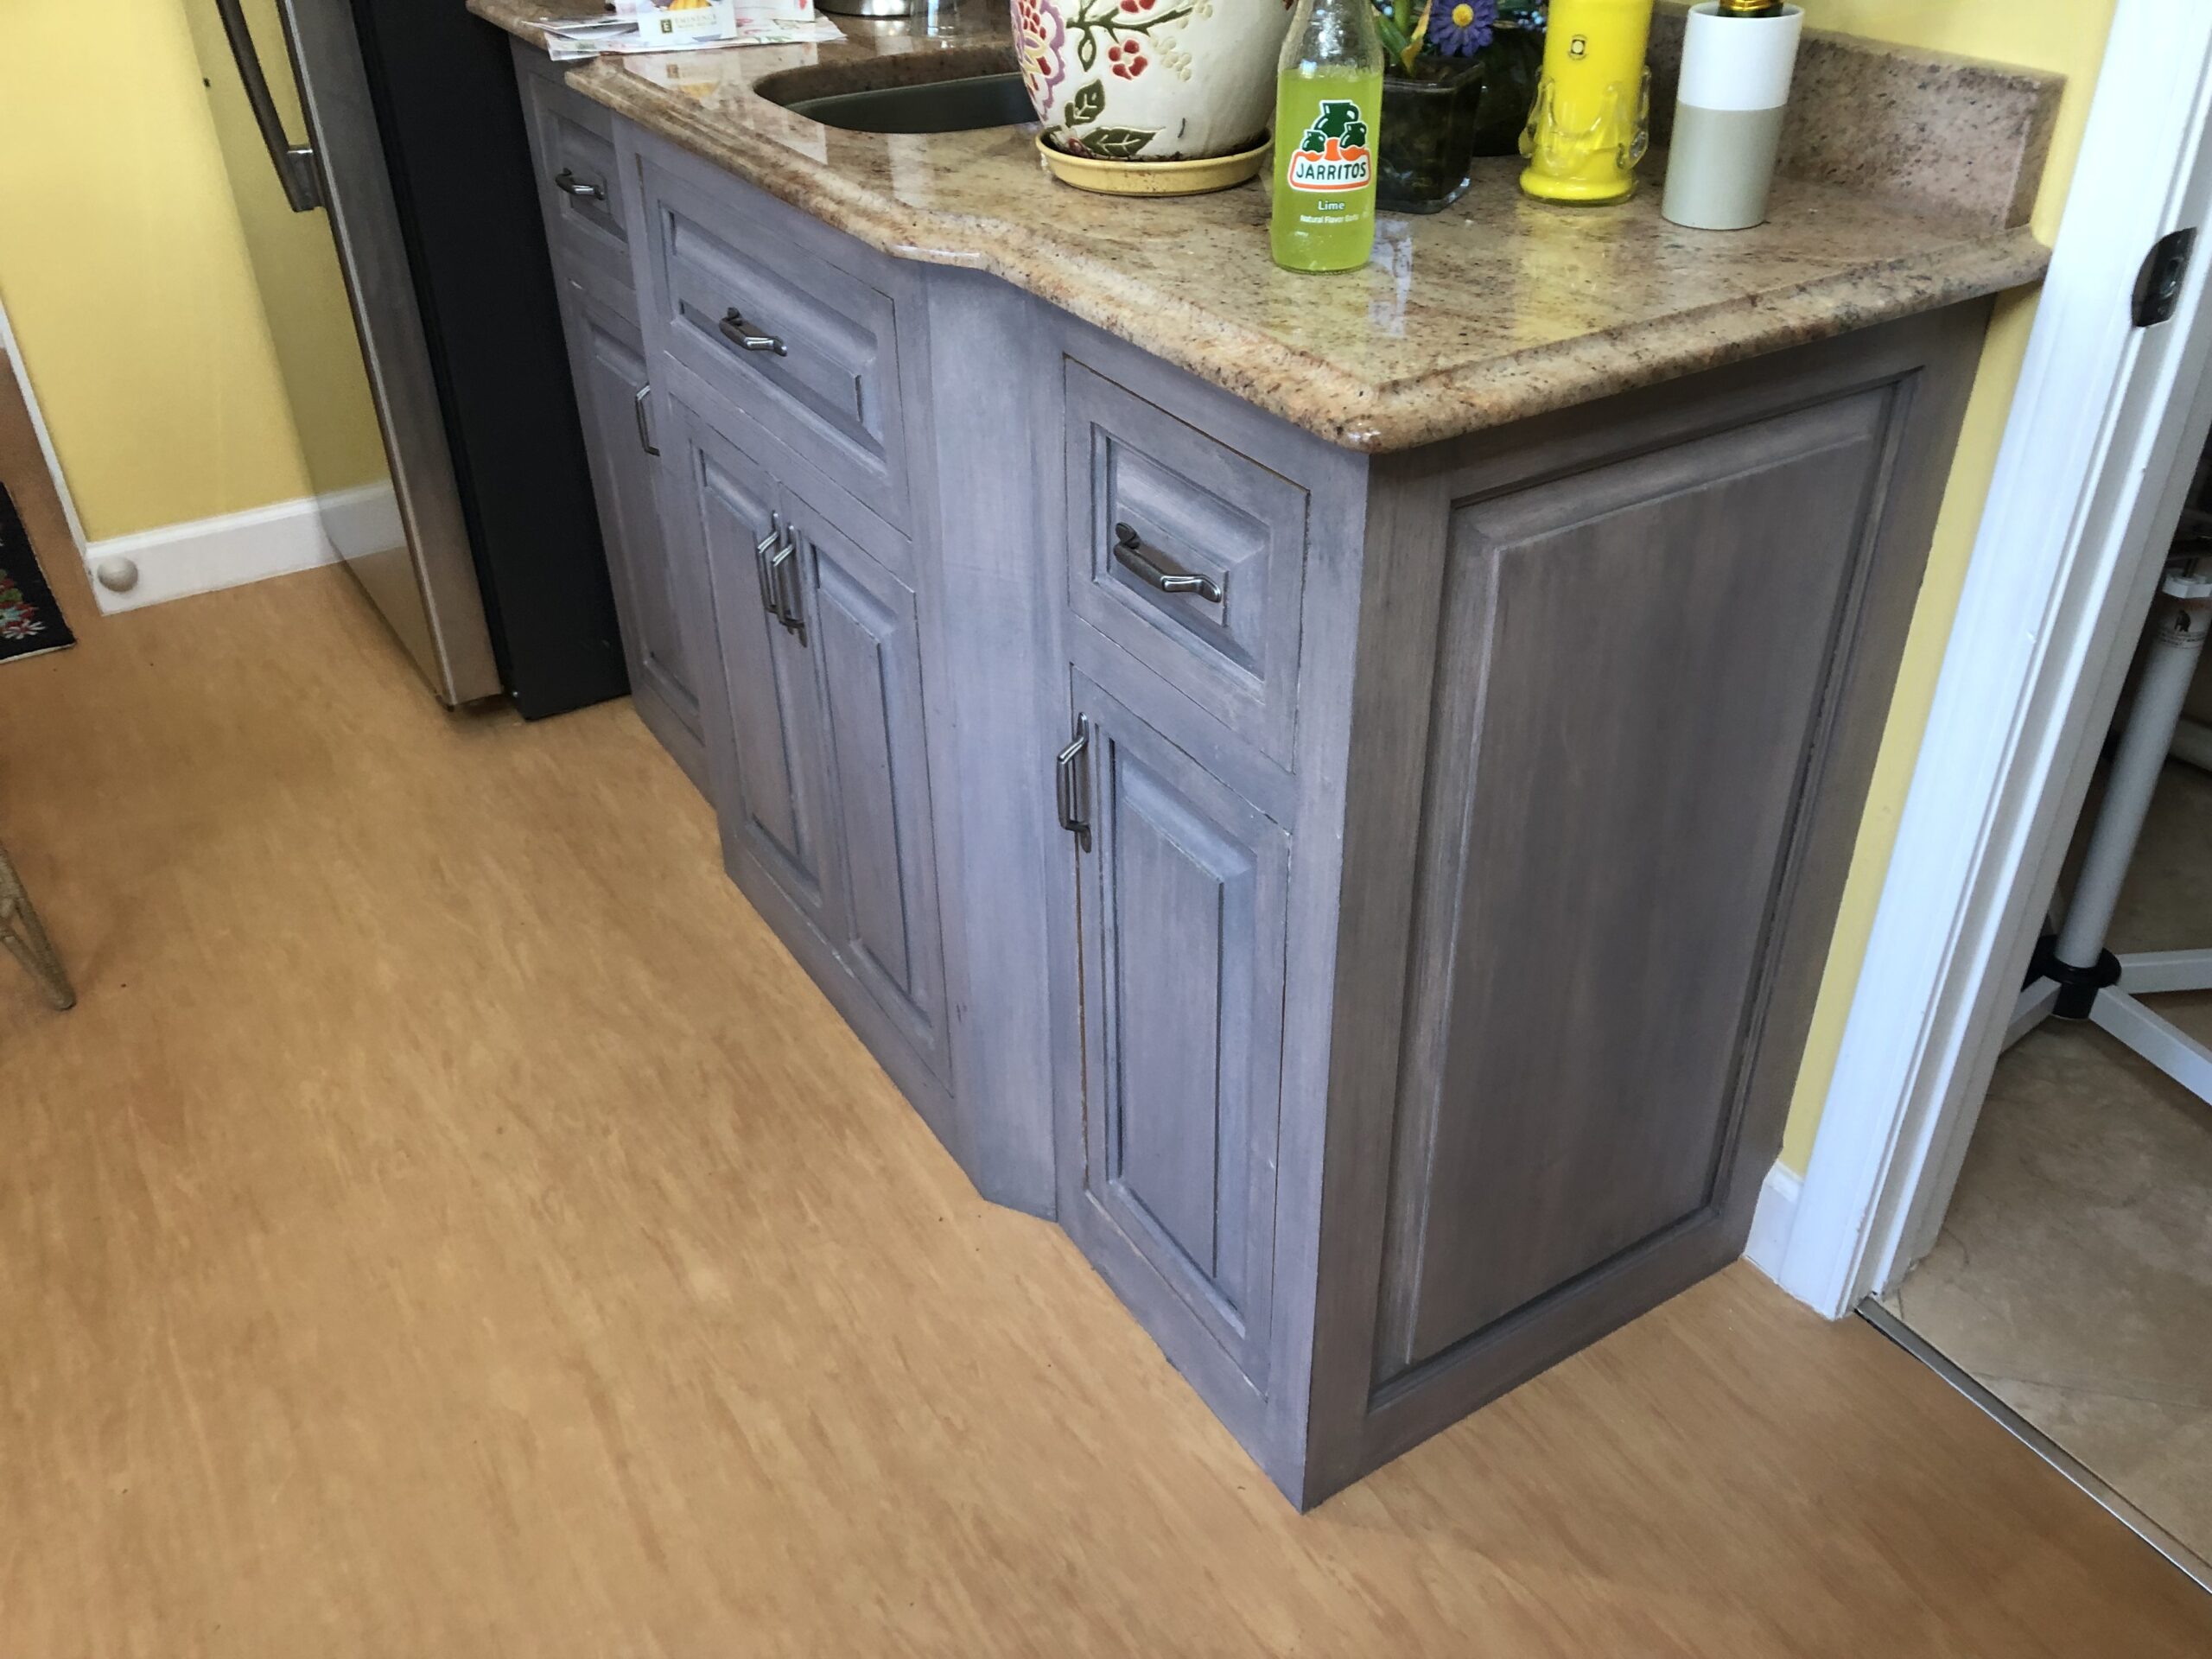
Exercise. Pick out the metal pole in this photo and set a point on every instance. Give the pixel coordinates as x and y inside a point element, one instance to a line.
<point>2185,609</point>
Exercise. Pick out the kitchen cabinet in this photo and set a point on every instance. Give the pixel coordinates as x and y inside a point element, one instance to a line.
<point>1443,928</point>
<point>586,205</point>
<point>1373,901</point>
<point>615,397</point>
<point>1180,917</point>
<point>866,647</point>
<point>817,747</point>
<point>772,788</point>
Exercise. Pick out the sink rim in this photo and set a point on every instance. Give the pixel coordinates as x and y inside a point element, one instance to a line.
<point>785,87</point>
<point>999,93</point>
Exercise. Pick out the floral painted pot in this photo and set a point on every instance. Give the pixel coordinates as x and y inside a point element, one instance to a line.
<point>1151,80</point>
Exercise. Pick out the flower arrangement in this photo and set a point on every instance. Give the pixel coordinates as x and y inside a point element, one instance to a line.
<point>1458,76</point>
<point>1450,28</point>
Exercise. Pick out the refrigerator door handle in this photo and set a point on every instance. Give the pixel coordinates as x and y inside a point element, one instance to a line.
<point>295,163</point>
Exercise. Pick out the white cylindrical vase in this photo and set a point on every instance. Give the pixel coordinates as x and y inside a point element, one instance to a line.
<point>1728,112</point>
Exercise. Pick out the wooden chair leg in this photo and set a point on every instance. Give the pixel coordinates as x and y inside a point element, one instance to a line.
<point>25,935</point>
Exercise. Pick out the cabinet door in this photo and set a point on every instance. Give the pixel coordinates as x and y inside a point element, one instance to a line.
<point>656,608</point>
<point>865,639</point>
<point>1182,894</point>
<point>768,737</point>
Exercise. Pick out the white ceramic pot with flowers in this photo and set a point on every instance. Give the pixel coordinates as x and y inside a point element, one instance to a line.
<point>1151,80</point>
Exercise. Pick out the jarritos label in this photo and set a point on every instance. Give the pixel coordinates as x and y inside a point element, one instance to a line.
<point>1331,157</point>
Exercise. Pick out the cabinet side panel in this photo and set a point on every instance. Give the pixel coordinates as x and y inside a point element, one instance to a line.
<point>1604,847</point>
<point>1434,789</point>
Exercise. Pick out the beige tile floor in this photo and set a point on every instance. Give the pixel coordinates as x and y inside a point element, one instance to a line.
<point>2074,1274</point>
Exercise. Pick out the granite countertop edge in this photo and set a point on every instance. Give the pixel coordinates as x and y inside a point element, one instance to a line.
<point>1352,413</point>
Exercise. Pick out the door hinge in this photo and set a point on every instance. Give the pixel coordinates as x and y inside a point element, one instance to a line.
<point>2157,285</point>
<point>1072,781</point>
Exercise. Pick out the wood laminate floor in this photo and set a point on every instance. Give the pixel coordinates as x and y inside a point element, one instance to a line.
<point>451,1225</point>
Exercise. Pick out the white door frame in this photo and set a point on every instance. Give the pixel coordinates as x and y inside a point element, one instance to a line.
<point>13,354</point>
<point>2096,457</point>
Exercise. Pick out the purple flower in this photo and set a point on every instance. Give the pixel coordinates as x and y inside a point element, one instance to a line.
<point>1459,29</point>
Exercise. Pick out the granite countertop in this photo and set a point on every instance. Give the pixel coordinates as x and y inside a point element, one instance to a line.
<point>1908,177</point>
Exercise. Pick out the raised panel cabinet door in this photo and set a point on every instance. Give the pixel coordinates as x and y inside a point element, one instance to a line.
<point>657,608</point>
<point>1635,668</point>
<point>770,789</point>
<point>1182,895</point>
<point>866,641</point>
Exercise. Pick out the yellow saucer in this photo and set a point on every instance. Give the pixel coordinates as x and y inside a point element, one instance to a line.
<point>1153,178</point>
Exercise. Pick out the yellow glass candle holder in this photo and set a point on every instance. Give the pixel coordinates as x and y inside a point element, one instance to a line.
<point>1591,121</point>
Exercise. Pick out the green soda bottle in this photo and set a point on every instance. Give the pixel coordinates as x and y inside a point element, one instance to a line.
<point>1328,116</point>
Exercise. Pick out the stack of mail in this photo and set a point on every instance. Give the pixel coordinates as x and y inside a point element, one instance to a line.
<point>685,26</point>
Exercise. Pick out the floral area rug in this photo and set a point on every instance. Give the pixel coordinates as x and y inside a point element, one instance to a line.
<point>30,622</point>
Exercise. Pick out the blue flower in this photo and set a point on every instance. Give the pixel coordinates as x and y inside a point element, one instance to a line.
<point>1459,29</point>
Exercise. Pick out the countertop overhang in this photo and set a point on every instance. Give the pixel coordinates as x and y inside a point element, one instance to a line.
<point>1496,309</point>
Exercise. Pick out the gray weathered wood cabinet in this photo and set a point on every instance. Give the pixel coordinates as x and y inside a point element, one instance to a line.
<point>1374,903</point>
<point>816,744</point>
<point>585,203</point>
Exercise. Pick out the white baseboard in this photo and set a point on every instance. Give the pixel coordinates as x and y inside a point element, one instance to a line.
<point>1773,1221</point>
<point>206,554</point>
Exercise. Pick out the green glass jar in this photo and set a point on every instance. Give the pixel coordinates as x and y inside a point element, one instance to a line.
<point>1424,159</point>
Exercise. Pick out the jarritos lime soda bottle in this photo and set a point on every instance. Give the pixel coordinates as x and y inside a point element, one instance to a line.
<point>1328,116</point>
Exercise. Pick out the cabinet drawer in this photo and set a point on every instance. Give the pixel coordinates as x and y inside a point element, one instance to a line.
<point>581,183</point>
<point>749,297</point>
<point>1189,554</point>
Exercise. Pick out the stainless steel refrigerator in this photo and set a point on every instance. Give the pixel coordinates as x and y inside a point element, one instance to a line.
<point>382,179</point>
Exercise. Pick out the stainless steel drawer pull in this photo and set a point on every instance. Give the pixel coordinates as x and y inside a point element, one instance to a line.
<point>1129,549</point>
<point>644,425</point>
<point>736,330</point>
<point>572,185</point>
<point>1071,785</point>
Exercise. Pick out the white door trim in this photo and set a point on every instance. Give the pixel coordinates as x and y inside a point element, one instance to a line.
<point>13,354</point>
<point>2087,489</point>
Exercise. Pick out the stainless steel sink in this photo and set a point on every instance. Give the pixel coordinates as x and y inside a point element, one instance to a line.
<point>957,102</point>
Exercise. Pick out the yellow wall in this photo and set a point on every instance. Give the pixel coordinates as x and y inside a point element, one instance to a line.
<point>124,272</point>
<point>293,262</point>
<point>2069,37</point>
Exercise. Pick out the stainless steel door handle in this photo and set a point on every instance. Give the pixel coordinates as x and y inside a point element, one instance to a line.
<point>644,424</point>
<point>1071,785</point>
<point>761,551</point>
<point>295,165</point>
<point>740,333</point>
<point>784,579</point>
<point>775,560</point>
<point>1129,549</point>
<point>569,182</point>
